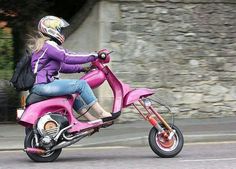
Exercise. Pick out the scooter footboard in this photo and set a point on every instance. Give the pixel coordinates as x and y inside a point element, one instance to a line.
<point>135,95</point>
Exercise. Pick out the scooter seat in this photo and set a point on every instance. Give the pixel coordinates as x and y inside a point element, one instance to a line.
<point>34,98</point>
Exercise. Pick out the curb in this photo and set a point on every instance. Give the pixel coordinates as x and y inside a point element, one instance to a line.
<point>135,134</point>
<point>143,141</point>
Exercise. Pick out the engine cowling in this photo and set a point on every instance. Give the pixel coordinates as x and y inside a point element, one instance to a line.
<point>51,123</point>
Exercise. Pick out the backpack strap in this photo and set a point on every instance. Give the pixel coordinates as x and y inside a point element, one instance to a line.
<point>37,63</point>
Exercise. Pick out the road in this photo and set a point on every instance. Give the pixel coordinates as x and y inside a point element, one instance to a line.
<point>193,156</point>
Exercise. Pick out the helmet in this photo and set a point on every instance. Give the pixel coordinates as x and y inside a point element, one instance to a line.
<point>51,26</point>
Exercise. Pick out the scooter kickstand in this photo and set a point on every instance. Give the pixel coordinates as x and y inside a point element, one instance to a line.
<point>105,125</point>
<point>94,131</point>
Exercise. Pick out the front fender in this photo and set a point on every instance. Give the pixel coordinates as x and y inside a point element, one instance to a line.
<point>135,95</point>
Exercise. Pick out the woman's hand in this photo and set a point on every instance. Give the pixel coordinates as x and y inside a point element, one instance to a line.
<point>86,69</point>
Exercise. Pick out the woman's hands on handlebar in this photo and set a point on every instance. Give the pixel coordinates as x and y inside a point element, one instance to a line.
<point>86,69</point>
<point>103,56</point>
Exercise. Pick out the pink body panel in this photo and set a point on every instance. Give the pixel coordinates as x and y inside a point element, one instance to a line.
<point>135,95</point>
<point>123,94</point>
<point>61,105</point>
<point>119,89</point>
<point>36,110</point>
<point>94,78</point>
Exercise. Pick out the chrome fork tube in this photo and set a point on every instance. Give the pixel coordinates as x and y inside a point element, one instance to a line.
<point>148,117</point>
<point>153,121</point>
<point>161,119</point>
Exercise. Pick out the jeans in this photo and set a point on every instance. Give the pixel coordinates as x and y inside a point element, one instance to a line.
<point>62,87</point>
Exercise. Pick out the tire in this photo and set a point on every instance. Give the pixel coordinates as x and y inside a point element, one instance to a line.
<point>30,143</point>
<point>166,148</point>
<point>27,130</point>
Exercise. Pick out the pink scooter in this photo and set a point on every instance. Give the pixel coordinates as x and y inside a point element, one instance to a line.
<point>52,125</point>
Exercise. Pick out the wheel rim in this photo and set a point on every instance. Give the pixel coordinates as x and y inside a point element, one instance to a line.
<point>166,144</point>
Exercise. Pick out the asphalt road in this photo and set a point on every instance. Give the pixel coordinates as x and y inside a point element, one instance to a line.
<point>193,156</point>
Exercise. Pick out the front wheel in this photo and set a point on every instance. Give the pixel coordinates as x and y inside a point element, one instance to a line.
<point>30,143</point>
<point>164,147</point>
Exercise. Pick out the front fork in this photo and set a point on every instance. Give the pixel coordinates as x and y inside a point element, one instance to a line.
<point>149,116</point>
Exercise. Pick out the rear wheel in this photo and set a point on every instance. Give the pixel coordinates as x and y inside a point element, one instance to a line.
<point>164,147</point>
<point>27,130</point>
<point>47,157</point>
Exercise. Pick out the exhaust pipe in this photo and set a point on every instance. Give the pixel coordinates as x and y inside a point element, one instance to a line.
<point>62,131</point>
<point>34,151</point>
<point>63,144</point>
<point>70,141</point>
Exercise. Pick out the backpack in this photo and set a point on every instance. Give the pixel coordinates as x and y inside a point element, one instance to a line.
<point>23,77</point>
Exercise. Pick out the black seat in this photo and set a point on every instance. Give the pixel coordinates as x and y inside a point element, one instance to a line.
<point>34,98</point>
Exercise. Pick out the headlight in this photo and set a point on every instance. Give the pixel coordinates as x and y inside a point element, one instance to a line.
<point>147,102</point>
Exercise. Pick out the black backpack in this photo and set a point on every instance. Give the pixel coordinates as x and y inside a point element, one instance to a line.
<point>23,77</point>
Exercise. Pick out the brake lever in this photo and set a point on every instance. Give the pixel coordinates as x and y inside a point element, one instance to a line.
<point>92,67</point>
<point>110,52</point>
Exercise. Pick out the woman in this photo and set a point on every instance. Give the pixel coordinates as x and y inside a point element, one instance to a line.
<point>49,59</point>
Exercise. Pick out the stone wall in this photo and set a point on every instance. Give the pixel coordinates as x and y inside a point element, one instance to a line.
<point>185,49</point>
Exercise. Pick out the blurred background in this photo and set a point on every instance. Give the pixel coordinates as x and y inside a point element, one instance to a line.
<point>184,49</point>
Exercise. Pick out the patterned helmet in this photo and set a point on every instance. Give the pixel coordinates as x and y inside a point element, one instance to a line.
<point>51,26</point>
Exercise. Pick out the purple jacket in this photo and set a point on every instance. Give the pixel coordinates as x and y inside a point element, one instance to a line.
<point>53,59</point>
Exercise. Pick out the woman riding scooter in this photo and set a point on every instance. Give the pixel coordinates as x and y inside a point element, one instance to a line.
<point>49,59</point>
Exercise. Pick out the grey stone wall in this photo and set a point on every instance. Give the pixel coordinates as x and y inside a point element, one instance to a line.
<point>184,49</point>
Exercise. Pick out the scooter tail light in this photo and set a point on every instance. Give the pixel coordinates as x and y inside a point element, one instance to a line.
<point>19,113</point>
<point>23,101</point>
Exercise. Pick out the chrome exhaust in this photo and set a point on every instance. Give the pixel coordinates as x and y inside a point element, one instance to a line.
<point>62,131</point>
<point>71,140</point>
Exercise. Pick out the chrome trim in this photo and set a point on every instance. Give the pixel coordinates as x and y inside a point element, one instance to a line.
<point>62,131</point>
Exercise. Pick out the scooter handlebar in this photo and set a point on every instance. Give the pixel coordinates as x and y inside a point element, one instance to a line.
<point>104,56</point>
